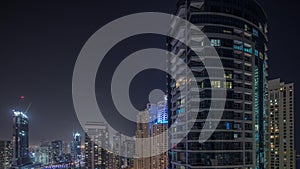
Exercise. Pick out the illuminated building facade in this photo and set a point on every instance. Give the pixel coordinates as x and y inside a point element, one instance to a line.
<point>129,148</point>
<point>43,154</point>
<point>76,147</point>
<point>20,140</point>
<point>117,150</point>
<point>110,159</point>
<point>57,151</point>
<point>142,162</point>
<point>152,122</point>
<point>159,161</point>
<point>162,111</point>
<point>237,30</point>
<point>5,154</point>
<point>96,137</point>
<point>281,140</point>
<point>158,127</point>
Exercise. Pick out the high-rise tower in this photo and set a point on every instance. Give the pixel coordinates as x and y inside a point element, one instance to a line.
<point>237,30</point>
<point>281,144</point>
<point>20,140</point>
<point>57,151</point>
<point>76,147</point>
<point>150,123</point>
<point>5,154</point>
<point>96,140</point>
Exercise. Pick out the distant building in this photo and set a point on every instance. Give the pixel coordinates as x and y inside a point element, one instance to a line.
<point>42,154</point>
<point>159,146</point>
<point>129,150</point>
<point>76,147</point>
<point>117,148</point>
<point>110,159</point>
<point>158,127</point>
<point>123,151</point>
<point>162,112</point>
<point>150,123</point>
<point>20,140</point>
<point>57,151</point>
<point>67,148</point>
<point>142,161</point>
<point>5,154</point>
<point>281,152</point>
<point>96,137</point>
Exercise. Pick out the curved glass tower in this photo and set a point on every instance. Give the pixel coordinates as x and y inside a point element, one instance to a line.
<point>237,29</point>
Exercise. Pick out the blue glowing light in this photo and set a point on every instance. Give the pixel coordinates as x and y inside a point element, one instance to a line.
<point>160,111</point>
<point>238,47</point>
<point>248,50</point>
<point>255,32</point>
<point>228,126</point>
<point>256,53</point>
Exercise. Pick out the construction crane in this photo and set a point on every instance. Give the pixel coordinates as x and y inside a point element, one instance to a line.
<point>29,105</point>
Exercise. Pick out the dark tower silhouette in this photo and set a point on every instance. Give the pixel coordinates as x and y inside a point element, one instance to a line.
<point>20,136</point>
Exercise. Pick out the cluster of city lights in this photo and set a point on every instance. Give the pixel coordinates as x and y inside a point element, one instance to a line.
<point>18,113</point>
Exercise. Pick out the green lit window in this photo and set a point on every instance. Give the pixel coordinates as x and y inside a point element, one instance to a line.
<point>215,42</point>
<point>247,48</point>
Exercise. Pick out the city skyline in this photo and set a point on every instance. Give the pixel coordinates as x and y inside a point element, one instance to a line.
<point>48,45</point>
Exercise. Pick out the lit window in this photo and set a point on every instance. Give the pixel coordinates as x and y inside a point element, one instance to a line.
<point>215,84</point>
<point>256,53</point>
<point>228,75</point>
<point>228,85</point>
<point>246,27</point>
<point>255,32</point>
<point>215,42</point>
<point>202,85</point>
<point>247,48</point>
<point>238,47</point>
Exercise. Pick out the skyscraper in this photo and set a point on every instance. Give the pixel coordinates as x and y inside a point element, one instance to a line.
<point>96,140</point>
<point>237,30</point>
<point>5,154</point>
<point>76,147</point>
<point>281,143</point>
<point>142,161</point>
<point>129,150</point>
<point>57,151</point>
<point>159,127</point>
<point>20,140</point>
<point>117,148</point>
<point>43,154</point>
<point>160,159</point>
<point>150,123</point>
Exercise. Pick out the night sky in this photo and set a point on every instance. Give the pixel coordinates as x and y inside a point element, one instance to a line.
<point>40,42</point>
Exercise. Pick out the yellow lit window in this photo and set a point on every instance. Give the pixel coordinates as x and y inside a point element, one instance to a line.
<point>228,85</point>
<point>215,84</point>
<point>228,75</point>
